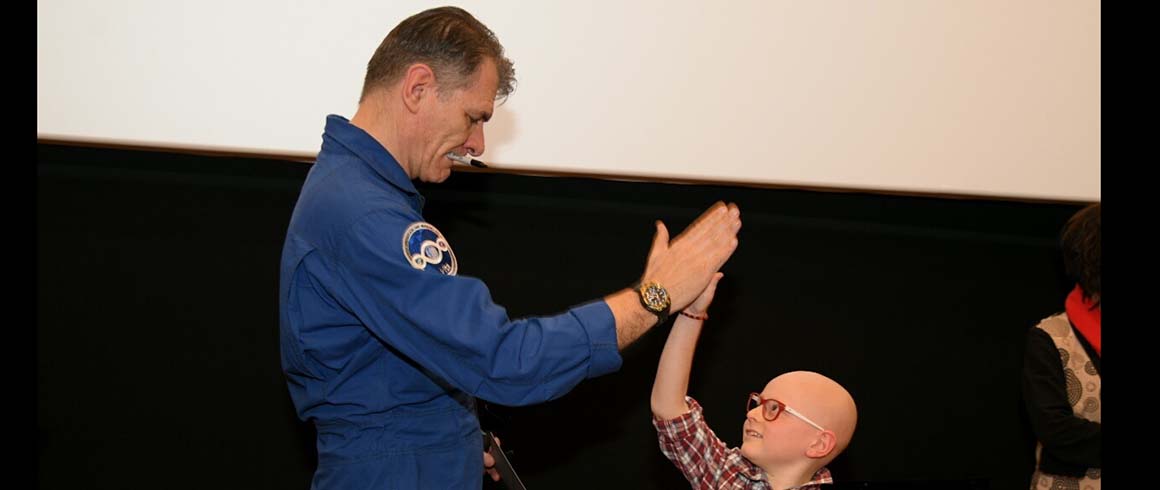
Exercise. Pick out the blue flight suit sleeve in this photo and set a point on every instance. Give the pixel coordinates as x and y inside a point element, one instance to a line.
<point>449,324</point>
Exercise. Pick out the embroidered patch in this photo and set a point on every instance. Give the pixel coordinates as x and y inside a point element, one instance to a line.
<point>423,245</point>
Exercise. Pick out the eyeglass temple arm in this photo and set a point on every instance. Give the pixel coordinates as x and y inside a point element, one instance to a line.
<point>804,418</point>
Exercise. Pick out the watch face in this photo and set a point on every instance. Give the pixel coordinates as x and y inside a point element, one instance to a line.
<point>655,297</point>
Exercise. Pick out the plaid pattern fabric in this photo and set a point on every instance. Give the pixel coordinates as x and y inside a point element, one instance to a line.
<point>705,460</point>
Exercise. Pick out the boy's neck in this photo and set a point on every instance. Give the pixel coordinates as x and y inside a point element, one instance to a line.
<point>790,475</point>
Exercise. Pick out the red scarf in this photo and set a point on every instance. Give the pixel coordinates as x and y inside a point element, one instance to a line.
<point>1085,317</point>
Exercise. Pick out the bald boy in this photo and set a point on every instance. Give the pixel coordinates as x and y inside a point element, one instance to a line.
<point>793,428</point>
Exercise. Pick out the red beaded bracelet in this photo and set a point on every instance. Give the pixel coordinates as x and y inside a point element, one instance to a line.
<point>695,317</point>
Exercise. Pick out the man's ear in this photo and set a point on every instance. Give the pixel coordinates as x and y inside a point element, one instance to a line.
<point>418,83</point>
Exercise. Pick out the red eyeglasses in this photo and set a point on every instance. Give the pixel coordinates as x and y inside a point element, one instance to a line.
<point>771,408</point>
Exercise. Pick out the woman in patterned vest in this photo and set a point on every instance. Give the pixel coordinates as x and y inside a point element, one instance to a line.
<point>1061,369</point>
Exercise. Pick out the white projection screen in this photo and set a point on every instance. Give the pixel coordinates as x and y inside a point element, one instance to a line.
<point>992,98</point>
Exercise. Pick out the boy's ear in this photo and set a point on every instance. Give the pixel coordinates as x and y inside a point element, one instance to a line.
<point>822,445</point>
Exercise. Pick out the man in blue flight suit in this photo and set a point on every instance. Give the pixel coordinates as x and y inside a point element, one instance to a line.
<point>383,345</point>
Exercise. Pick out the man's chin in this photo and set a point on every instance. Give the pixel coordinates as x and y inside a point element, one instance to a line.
<point>436,177</point>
